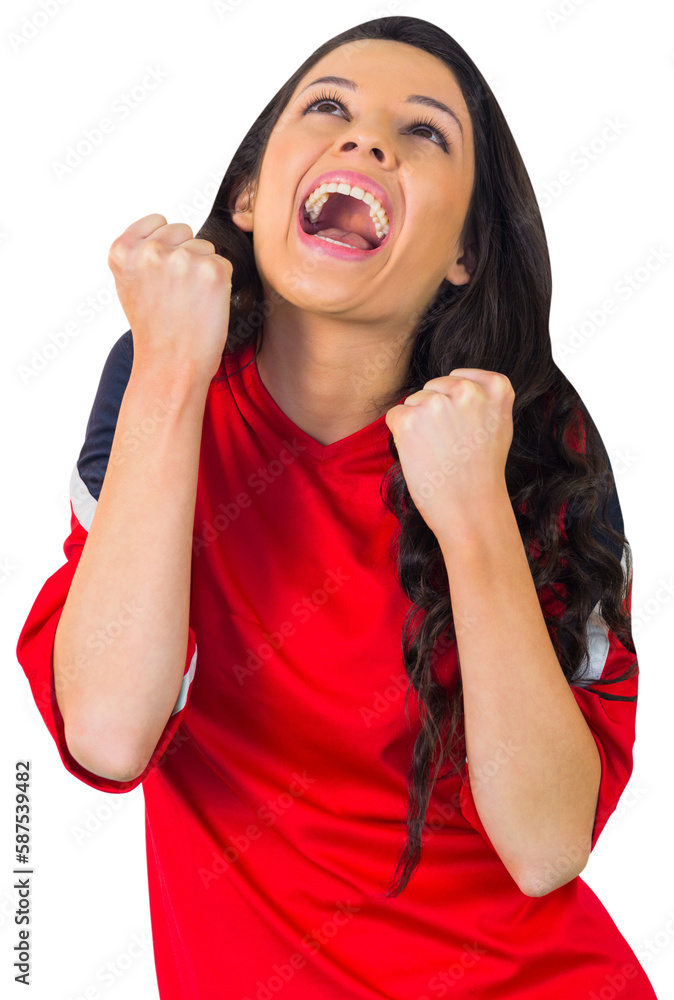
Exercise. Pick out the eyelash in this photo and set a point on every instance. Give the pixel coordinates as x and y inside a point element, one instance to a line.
<point>332,98</point>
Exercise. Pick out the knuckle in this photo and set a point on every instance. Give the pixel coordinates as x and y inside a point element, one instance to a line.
<point>118,251</point>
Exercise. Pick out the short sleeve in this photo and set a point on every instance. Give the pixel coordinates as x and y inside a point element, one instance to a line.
<point>610,712</point>
<point>35,647</point>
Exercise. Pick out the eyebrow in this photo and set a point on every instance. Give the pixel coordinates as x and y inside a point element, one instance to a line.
<point>429,102</point>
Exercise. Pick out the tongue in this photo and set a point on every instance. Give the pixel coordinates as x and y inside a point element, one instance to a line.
<point>353,239</point>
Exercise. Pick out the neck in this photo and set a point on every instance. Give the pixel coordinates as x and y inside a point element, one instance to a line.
<point>331,383</point>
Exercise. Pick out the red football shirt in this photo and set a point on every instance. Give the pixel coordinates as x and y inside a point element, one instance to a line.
<point>276,797</point>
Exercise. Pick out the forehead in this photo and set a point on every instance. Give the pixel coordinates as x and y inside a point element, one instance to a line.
<point>391,66</point>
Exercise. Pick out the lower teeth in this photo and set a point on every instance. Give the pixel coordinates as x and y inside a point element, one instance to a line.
<point>338,242</point>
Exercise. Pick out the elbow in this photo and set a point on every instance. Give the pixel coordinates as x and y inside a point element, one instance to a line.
<point>554,874</point>
<point>104,760</point>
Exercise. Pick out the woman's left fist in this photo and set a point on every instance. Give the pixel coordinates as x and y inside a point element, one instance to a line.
<point>453,438</point>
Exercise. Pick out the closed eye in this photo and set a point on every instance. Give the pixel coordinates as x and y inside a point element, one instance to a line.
<point>443,139</point>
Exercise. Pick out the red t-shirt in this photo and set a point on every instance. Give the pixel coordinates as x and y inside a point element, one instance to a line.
<point>277,795</point>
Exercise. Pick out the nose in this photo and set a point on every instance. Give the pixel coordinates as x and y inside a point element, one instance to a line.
<point>369,137</point>
<point>376,150</point>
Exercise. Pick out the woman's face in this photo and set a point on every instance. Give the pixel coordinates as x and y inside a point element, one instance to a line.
<point>425,173</point>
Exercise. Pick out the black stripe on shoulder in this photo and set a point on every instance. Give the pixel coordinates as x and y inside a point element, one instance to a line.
<point>612,697</point>
<point>93,458</point>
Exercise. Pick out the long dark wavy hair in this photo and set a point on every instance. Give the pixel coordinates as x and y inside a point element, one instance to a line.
<point>558,474</point>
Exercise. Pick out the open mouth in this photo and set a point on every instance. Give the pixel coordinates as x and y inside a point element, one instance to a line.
<point>344,221</point>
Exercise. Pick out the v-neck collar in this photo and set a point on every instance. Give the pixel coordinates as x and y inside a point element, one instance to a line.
<point>262,412</point>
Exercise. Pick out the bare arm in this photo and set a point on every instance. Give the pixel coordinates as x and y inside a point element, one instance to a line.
<point>134,571</point>
<point>121,642</point>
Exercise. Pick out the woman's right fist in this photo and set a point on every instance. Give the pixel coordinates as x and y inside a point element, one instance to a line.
<point>175,291</point>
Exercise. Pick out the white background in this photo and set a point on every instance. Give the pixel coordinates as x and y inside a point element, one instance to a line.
<point>562,71</point>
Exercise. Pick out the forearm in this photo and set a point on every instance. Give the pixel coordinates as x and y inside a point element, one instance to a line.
<point>134,571</point>
<point>537,802</point>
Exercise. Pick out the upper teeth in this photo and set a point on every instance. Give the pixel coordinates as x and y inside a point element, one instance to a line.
<point>319,196</point>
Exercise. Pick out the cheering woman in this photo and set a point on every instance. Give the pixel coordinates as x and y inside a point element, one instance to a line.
<point>347,589</point>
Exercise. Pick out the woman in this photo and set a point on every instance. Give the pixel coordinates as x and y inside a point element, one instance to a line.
<point>355,604</point>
